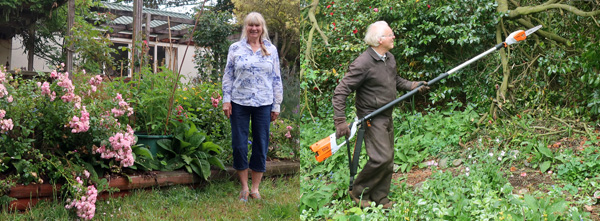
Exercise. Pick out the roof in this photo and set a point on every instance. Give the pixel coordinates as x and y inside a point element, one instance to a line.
<point>119,7</point>
<point>180,23</point>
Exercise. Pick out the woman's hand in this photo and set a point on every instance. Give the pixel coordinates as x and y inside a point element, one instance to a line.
<point>274,116</point>
<point>227,109</point>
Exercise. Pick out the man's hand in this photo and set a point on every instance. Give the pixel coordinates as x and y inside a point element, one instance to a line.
<point>341,127</point>
<point>415,84</point>
<point>227,109</point>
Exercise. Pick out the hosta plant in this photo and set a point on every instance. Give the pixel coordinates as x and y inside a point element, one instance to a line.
<point>189,150</point>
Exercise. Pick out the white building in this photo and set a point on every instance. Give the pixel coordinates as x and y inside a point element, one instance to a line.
<point>168,40</point>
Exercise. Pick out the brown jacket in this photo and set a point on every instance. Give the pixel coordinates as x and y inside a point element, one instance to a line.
<point>375,82</point>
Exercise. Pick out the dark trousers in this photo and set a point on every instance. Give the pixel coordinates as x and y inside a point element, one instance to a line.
<point>240,119</point>
<point>373,182</point>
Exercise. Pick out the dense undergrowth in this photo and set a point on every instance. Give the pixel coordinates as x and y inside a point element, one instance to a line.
<point>472,168</point>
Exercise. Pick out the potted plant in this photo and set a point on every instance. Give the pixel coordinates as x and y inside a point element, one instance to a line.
<point>150,95</point>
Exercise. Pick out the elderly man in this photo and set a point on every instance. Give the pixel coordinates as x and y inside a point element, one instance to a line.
<point>373,76</point>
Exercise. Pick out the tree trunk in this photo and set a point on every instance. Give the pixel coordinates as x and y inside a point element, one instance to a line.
<point>30,48</point>
<point>502,89</point>
<point>137,35</point>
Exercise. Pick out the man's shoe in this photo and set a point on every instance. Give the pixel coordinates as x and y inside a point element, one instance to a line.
<point>361,203</point>
<point>387,204</point>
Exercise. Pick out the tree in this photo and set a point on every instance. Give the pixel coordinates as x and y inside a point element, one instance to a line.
<point>90,44</point>
<point>525,14</point>
<point>553,68</point>
<point>282,19</point>
<point>211,37</point>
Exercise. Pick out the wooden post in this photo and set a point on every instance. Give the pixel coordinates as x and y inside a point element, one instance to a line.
<point>136,38</point>
<point>147,34</point>
<point>70,21</point>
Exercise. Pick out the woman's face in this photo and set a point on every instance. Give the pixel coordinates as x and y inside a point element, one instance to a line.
<point>254,30</point>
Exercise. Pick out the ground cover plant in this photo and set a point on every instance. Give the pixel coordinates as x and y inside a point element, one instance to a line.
<point>511,137</point>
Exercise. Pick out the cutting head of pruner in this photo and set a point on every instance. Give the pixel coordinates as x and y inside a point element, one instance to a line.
<point>520,35</point>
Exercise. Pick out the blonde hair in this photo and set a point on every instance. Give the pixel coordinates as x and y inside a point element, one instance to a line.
<point>374,32</point>
<point>255,18</point>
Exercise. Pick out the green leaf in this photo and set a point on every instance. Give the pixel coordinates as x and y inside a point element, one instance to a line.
<point>20,165</point>
<point>544,166</point>
<point>186,159</point>
<point>196,139</point>
<point>166,144</point>
<point>531,202</point>
<point>196,168</point>
<point>217,162</point>
<point>211,147</point>
<point>142,151</point>
<point>544,150</point>
<point>558,207</point>
<point>191,130</point>
<point>204,166</point>
<point>184,144</point>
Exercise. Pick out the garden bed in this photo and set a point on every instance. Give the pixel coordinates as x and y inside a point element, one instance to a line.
<point>29,195</point>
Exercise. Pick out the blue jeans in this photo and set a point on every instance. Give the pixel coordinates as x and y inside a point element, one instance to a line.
<point>240,120</point>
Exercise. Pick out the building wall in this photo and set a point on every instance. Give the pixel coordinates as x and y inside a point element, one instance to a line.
<point>18,57</point>
<point>188,71</point>
<point>14,51</point>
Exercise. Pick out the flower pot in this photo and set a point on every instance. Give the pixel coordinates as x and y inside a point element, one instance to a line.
<point>150,141</point>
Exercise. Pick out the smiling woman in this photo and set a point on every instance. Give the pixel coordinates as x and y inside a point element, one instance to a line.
<point>252,89</point>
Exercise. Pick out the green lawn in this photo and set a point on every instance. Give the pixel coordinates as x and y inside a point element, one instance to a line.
<point>215,201</point>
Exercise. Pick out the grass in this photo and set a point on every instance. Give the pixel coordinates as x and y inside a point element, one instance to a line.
<point>215,201</point>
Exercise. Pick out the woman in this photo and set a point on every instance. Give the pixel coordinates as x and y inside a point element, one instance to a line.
<point>252,91</point>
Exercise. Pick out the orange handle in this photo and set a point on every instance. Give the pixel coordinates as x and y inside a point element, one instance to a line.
<point>322,148</point>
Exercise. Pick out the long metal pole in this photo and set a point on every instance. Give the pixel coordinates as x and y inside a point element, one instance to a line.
<point>353,161</point>
<point>433,81</point>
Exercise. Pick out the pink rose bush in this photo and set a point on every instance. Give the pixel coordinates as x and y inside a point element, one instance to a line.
<point>284,139</point>
<point>5,124</point>
<point>86,202</point>
<point>89,122</point>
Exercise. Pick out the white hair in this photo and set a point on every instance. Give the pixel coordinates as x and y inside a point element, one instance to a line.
<point>374,33</point>
<point>255,18</point>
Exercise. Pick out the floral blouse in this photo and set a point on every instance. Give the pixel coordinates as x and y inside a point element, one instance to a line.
<point>252,79</point>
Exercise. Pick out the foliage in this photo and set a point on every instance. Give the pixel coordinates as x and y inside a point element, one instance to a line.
<point>150,96</point>
<point>91,46</point>
<point>284,140</point>
<point>17,15</point>
<point>55,131</point>
<point>430,40</point>
<point>282,22</point>
<point>433,37</point>
<point>211,37</point>
<point>189,150</point>
<point>419,136</point>
<point>202,103</point>
<point>478,188</point>
<point>578,168</point>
